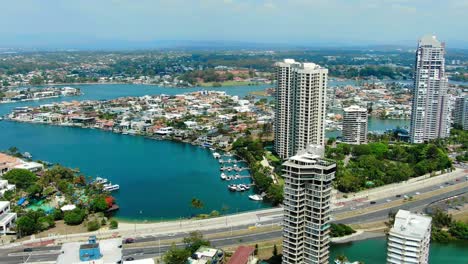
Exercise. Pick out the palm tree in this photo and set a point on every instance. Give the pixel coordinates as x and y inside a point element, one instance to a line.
<point>342,258</point>
<point>197,203</point>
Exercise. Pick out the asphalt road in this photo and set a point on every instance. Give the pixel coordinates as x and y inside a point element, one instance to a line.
<point>17,255</point>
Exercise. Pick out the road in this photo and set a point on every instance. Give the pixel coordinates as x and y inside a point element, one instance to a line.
<point>228,236</point>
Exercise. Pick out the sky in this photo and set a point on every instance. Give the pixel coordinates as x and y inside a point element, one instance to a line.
<point>56,23</point>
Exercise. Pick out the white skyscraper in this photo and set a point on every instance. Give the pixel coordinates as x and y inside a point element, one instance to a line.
<point>429,114</point>
<point>355,125</point>
<point>307,194</point>
<point>460,113</point>
<point>300,106</point>
<point>409,239</point>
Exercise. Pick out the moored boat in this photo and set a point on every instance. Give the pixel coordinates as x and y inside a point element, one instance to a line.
<point>255,197</point>
<point>223,176</point>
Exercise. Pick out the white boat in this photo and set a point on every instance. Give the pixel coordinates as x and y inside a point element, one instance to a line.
<point>216,155</point>
<point>100,180</point>
<point>223,176</point>
<point>111,187</point>
<point>255,197</point>
<point>232,187</point>
<point>237,176</point>
<point>229,168</point>
<point>240,188</point>
<point>222,169</point>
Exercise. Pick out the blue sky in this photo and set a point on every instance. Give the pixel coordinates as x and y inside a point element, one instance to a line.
<point>64,22</point>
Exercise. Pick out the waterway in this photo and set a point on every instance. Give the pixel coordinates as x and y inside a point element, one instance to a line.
<point>157,178</point>
<point>374,251</point>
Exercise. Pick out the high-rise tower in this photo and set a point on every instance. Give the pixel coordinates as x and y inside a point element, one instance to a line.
<point>300,106</point>
<point>355,125</point>
<point>429,113</point>
<point>307,194</point>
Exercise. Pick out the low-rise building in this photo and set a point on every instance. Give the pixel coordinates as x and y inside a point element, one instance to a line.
<point>103,252</point>
<point>243,255</point>
<point>460,112</point>
<point>7,219</point>
<point>206,255</point>
<point>409,238</point>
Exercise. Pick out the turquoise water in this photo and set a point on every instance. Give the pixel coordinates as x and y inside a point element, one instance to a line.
<point>374,251</point>
<point>157,179</point>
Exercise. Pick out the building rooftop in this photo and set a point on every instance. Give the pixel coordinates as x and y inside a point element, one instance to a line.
<point>111,253</point>
<point>241,256</point>
<point>430,40</point>
<point>355,108</point>
<point>411,225</point>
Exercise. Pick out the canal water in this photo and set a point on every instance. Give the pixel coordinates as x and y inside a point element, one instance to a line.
<point>374,251</point>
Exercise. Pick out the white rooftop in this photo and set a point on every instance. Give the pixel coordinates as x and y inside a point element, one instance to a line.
<point>355,108</point>
<point>411,225</point>
<point>430,40</point>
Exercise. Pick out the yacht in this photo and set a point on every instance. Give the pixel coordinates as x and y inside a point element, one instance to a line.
<point>232,187</point>
<point>223,176</point>
<point>229,168</point>
<point>100,180</point>
<point>237,176</point>
<point>240,188</point>
<point>111,187</point>
<point>216,155</point>
<point>255,197</point>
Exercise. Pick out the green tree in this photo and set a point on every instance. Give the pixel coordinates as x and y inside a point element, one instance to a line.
<point>25,225</point>
<point>99,204</point>
<point>21,177</point>
<point>194,241</point>
<point>196,203</point>
<point>113,224</point>
<point>176,255</point>
<point>74,217</point>
<point>93,225</point>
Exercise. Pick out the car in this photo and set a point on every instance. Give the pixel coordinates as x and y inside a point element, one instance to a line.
<point>417,193</point>
<point>27,250</point>
<point>129,259</point>
<point>440,187</point>
<point>388,200</point>
<point>129,240</point>
<point>447,183</point>
<point>406,196</point>
<point>398,195</point>
<point>372,202</point>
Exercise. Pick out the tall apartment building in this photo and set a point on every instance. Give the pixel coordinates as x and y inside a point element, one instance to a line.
<point>300,106</point>
<point>460,112</point>
<point>409,238</point>
<point>429,114</point>
<point>354,125</point>
<point>307,194</point>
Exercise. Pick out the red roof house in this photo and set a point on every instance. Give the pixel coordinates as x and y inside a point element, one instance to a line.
<point>243,255</point>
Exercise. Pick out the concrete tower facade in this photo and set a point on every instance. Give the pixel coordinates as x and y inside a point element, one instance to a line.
<point>307,194</point>
<point>300,106</point>
<point>429,114</point>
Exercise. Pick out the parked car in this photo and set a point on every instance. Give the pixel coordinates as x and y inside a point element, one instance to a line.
<point>129,240</point>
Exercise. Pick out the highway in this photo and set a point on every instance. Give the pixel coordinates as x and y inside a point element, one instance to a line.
<point>228,236</point>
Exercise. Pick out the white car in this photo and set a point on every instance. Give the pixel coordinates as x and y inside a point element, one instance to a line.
<point>418,193</point>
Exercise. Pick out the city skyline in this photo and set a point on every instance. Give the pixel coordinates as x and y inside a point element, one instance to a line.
<point>105,24</point>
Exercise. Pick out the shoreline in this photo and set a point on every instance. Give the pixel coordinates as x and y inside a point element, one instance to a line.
<point>358,236</point>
